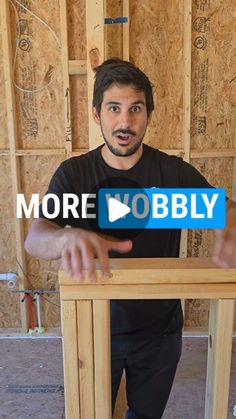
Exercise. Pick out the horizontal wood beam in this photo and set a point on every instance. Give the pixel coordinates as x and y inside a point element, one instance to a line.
<point>147,291</point>
<point>194,154</point>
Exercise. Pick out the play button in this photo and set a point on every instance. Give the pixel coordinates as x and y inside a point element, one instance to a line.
<point>116,210</point>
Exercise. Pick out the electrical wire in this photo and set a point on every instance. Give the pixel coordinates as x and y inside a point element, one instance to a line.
<point>17,46</point>
<point>57,305</point>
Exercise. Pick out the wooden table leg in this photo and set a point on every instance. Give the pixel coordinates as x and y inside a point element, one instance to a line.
<point>86,362</point>
<point>70,359</point>
<point>219,358</point>
<point>102,358</point>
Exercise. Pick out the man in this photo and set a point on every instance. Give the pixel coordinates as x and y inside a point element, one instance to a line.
<point>146,335</point>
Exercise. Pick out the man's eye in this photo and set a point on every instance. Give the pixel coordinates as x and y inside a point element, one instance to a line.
<point>135,109</point>
<point>114,108</point>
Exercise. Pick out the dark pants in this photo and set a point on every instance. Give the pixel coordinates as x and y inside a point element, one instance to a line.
<point>150,368</point>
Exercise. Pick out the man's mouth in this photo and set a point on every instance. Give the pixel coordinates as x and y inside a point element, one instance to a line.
<point>124,138</point>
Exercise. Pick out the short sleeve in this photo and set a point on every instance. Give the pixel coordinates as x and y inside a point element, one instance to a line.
<point>189,177</point>
<point>60,183</point>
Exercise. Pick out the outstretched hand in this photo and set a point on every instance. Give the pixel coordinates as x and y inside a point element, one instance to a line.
<point>82,247</point>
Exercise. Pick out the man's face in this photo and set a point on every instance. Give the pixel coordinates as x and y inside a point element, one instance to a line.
<point>123,119</point>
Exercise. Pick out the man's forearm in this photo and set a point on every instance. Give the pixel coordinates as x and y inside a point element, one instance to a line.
<point>45,239</point>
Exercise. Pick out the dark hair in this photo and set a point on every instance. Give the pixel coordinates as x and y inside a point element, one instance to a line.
<point>121,72</point>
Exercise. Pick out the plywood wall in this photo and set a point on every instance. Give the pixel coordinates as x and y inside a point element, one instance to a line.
<point>156,45</point>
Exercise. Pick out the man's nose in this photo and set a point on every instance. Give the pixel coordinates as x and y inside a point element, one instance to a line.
<point>125,119</point>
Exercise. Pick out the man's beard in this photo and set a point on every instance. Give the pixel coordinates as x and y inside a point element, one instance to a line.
<point>118,152</point>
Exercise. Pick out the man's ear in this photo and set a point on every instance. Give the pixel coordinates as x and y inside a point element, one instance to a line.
<point>96,117</point>
<point>149,118</point>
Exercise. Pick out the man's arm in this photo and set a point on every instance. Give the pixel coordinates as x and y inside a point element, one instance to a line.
<point>77,248</point>
<point>224,254</point>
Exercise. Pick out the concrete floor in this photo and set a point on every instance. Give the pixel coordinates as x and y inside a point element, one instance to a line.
<point>31,381</point>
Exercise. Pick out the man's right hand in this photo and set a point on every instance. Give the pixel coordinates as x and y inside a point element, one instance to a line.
<point>82,247</point>
<point>77,248</point>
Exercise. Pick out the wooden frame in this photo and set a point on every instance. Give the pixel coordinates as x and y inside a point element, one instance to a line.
<point>165,278</point>
<point>14,159</point>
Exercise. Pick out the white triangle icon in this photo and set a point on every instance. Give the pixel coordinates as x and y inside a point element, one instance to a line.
<point>116,209</point>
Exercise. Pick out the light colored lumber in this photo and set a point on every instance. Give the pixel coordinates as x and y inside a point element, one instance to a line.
<point>217,153</point>
<point>14,162</point>
<point>219,358</point>
<point>95,12</point>
<point>147,291</point>
<point>65,75</point>
<point>70,359</point>
<point>126,29</point>
<point>77,67</point>
<point>86,367</point>
<point>186,102</point>
<point>102,358</point>
<point>162,270</point>
<point>194,154</point>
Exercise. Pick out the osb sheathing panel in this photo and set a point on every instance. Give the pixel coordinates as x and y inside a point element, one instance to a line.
<point>114,32</point>
<point>3,120</point>
<point>156,45</point>
<point>79,114</point>
<point>40,115</point>
<point>213,74</point>
<point>9,302</point>
<point>36,171</point>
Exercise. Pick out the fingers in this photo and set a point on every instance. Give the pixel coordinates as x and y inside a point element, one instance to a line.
<point>121,246</point>
<point>80,251</point>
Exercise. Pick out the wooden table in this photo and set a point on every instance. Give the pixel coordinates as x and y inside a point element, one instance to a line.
<point>85,311</point>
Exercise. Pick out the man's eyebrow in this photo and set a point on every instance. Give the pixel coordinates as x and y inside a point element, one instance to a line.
<point>138,102</point>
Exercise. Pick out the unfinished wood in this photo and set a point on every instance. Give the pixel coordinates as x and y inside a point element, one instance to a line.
<point>213,79</point>
<point>162,270</point>
<point>77,30</point>
<point>126,31</point>
<point>159,291</point>
<point>3,111</point>
<point>219,153</point>
<point>77,67</point>
<point>86,366</point>
<point>186,103</point>
<point>40,115</point>
<point>65,76</point>
<point>14,162</point>
<point>114,31</point>
<point>95,12</point>
<point>221,328</point>
<point>79,105</point>
<point>219,358</point>
<point>70,360</point>
<point>156,46</point>
<point>102,358</point>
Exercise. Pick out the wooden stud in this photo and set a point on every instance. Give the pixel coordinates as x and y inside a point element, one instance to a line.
<point>186,103</point>
<point>86,367</point>
<point>95,12</point>
<point>102,358</point>
<point>77,67</point>
<point>126,29</point>
<point>219,358</point>
<point>70,359</point>
<point>65,76</point>
<point>14,162</point>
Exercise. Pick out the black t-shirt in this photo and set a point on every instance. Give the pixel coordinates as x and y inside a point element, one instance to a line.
<point>134,318</point>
